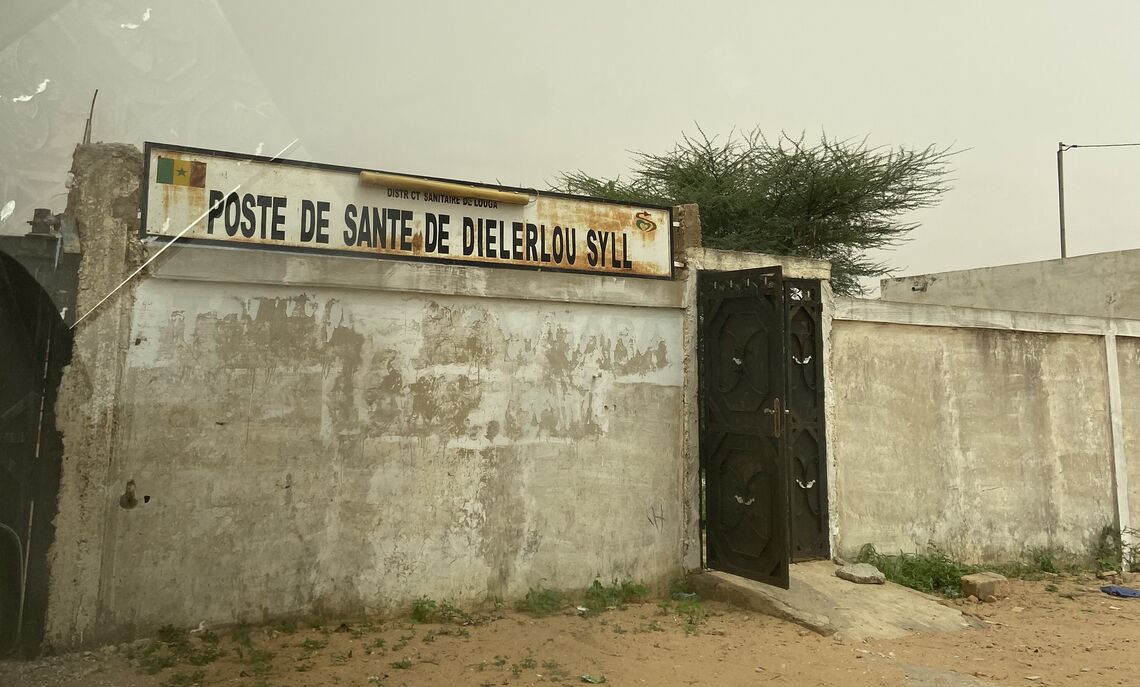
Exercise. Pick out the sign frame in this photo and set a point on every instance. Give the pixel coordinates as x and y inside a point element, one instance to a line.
<point>145,185</point>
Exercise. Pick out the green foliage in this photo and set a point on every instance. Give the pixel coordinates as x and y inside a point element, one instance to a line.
<point>260,661</point>
<point>935,572</point>
<point>402,664</point>
<point>241,635</point>
<point>423,609</point>
<point>554,671</point>
<point>600,597</point>
<point>155,661</point>
<point>185,679</point>
<point>541,601</point>
<point>681,586</point>
<point>1131,552</point>
<point>834,200</point>
<point>932,572</point>
<point>426,610</point>
<point>1043,559</point>
<point>1106,551</point>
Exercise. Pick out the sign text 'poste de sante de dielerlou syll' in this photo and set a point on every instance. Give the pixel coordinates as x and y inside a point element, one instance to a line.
<point>303,206</point>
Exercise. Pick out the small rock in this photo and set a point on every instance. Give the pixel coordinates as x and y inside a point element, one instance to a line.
<point>839,560</point>
<point>1018,609</point>
<point>1106,574</point>
<point>991,599</point>
<point>985,584</point>
<point>972,599</point>
<point>861,573</point>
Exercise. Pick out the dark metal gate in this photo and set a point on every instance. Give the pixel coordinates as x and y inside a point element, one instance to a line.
<point>743,444</point>
<point>762,422</point>
<point>34,346</point>
<point>805,428</point>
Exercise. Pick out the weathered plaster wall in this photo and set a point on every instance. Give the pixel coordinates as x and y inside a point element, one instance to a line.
<point>985,442</point>
<point>313,449</point>
<point>1128,360</point>
<point>104,201</point>
<point>1101,285</point>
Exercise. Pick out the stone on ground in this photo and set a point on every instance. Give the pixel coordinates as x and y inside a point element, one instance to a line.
<point>985,584</point>
<point>861,573</point>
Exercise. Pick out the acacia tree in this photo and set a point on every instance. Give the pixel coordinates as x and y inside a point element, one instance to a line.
<point>833,200</point>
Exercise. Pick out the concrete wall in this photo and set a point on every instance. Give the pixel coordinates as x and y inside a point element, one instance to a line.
<point>302,437</point>
<point>251,434</point>
<point>328,450</point>
<point>1128,356</point>
<point>986,438</point>
<point>1100,285</point>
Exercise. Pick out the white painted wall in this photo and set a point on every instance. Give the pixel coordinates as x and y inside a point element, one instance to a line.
<point>985,432</point>
<point>311,449</point>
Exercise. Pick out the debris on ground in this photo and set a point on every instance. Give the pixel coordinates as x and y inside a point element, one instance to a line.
<point>861,573</point>
<point>984,585</point>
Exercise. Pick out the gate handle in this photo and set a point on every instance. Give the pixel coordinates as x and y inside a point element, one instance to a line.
<point>777,417</point>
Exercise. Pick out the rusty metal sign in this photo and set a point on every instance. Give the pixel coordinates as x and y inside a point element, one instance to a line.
<point>255,202</point>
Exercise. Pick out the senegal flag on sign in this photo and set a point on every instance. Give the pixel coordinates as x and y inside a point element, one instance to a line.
<point>181,172</point>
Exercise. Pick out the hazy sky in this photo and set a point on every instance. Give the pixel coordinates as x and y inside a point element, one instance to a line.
<point>516,91</point>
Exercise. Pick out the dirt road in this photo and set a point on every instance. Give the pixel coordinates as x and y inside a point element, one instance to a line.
<point>1059,631</point>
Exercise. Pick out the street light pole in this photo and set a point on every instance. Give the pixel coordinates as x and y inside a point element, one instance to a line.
<point>1061,192</point>
<point>1061,148</point>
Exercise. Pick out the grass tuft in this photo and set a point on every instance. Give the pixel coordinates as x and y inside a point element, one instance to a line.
<point>541,601</point>
<point>933,572</point>
<point>600,597</point>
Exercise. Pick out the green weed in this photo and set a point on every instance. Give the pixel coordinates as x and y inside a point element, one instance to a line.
<point>600,597</point>
<point>933,572</point>
<point>541,601</point>
<point>241,635</point>
<point>423,609</point>
<point>554,671</point>
<point>260,661</point>
<point>402,664</point>
<point>185,679</point>
<point>156,662</point>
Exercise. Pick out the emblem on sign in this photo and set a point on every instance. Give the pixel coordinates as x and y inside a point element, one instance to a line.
<point>643,222</point>
<point>181,172</point>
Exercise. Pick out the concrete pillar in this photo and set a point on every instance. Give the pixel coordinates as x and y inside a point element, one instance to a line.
<point>687,233</point>
<point>1119,458</point>
<point>104,203</point>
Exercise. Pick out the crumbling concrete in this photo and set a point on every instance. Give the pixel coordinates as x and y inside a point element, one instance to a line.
<point>104,202</point>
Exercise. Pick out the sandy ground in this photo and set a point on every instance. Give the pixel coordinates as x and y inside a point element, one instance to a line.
<point>1059,631</point>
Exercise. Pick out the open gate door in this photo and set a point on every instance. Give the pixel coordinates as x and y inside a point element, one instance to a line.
<point>34,347</point>
<point>743,445</point>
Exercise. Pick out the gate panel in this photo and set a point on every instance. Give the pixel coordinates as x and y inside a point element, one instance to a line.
<point>806,444</point>
<point>34,347</point>
<point>742,360</point>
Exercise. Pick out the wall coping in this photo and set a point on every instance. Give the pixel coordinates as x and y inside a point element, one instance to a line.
<point>932,315</point>
<point>245,266</point>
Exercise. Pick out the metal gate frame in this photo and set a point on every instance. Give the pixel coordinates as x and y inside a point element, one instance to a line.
<point>35,346</point>
<point>803,444</point>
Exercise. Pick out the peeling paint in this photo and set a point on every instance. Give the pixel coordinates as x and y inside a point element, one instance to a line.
<point>7,210</point>
<point>420,433</point>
